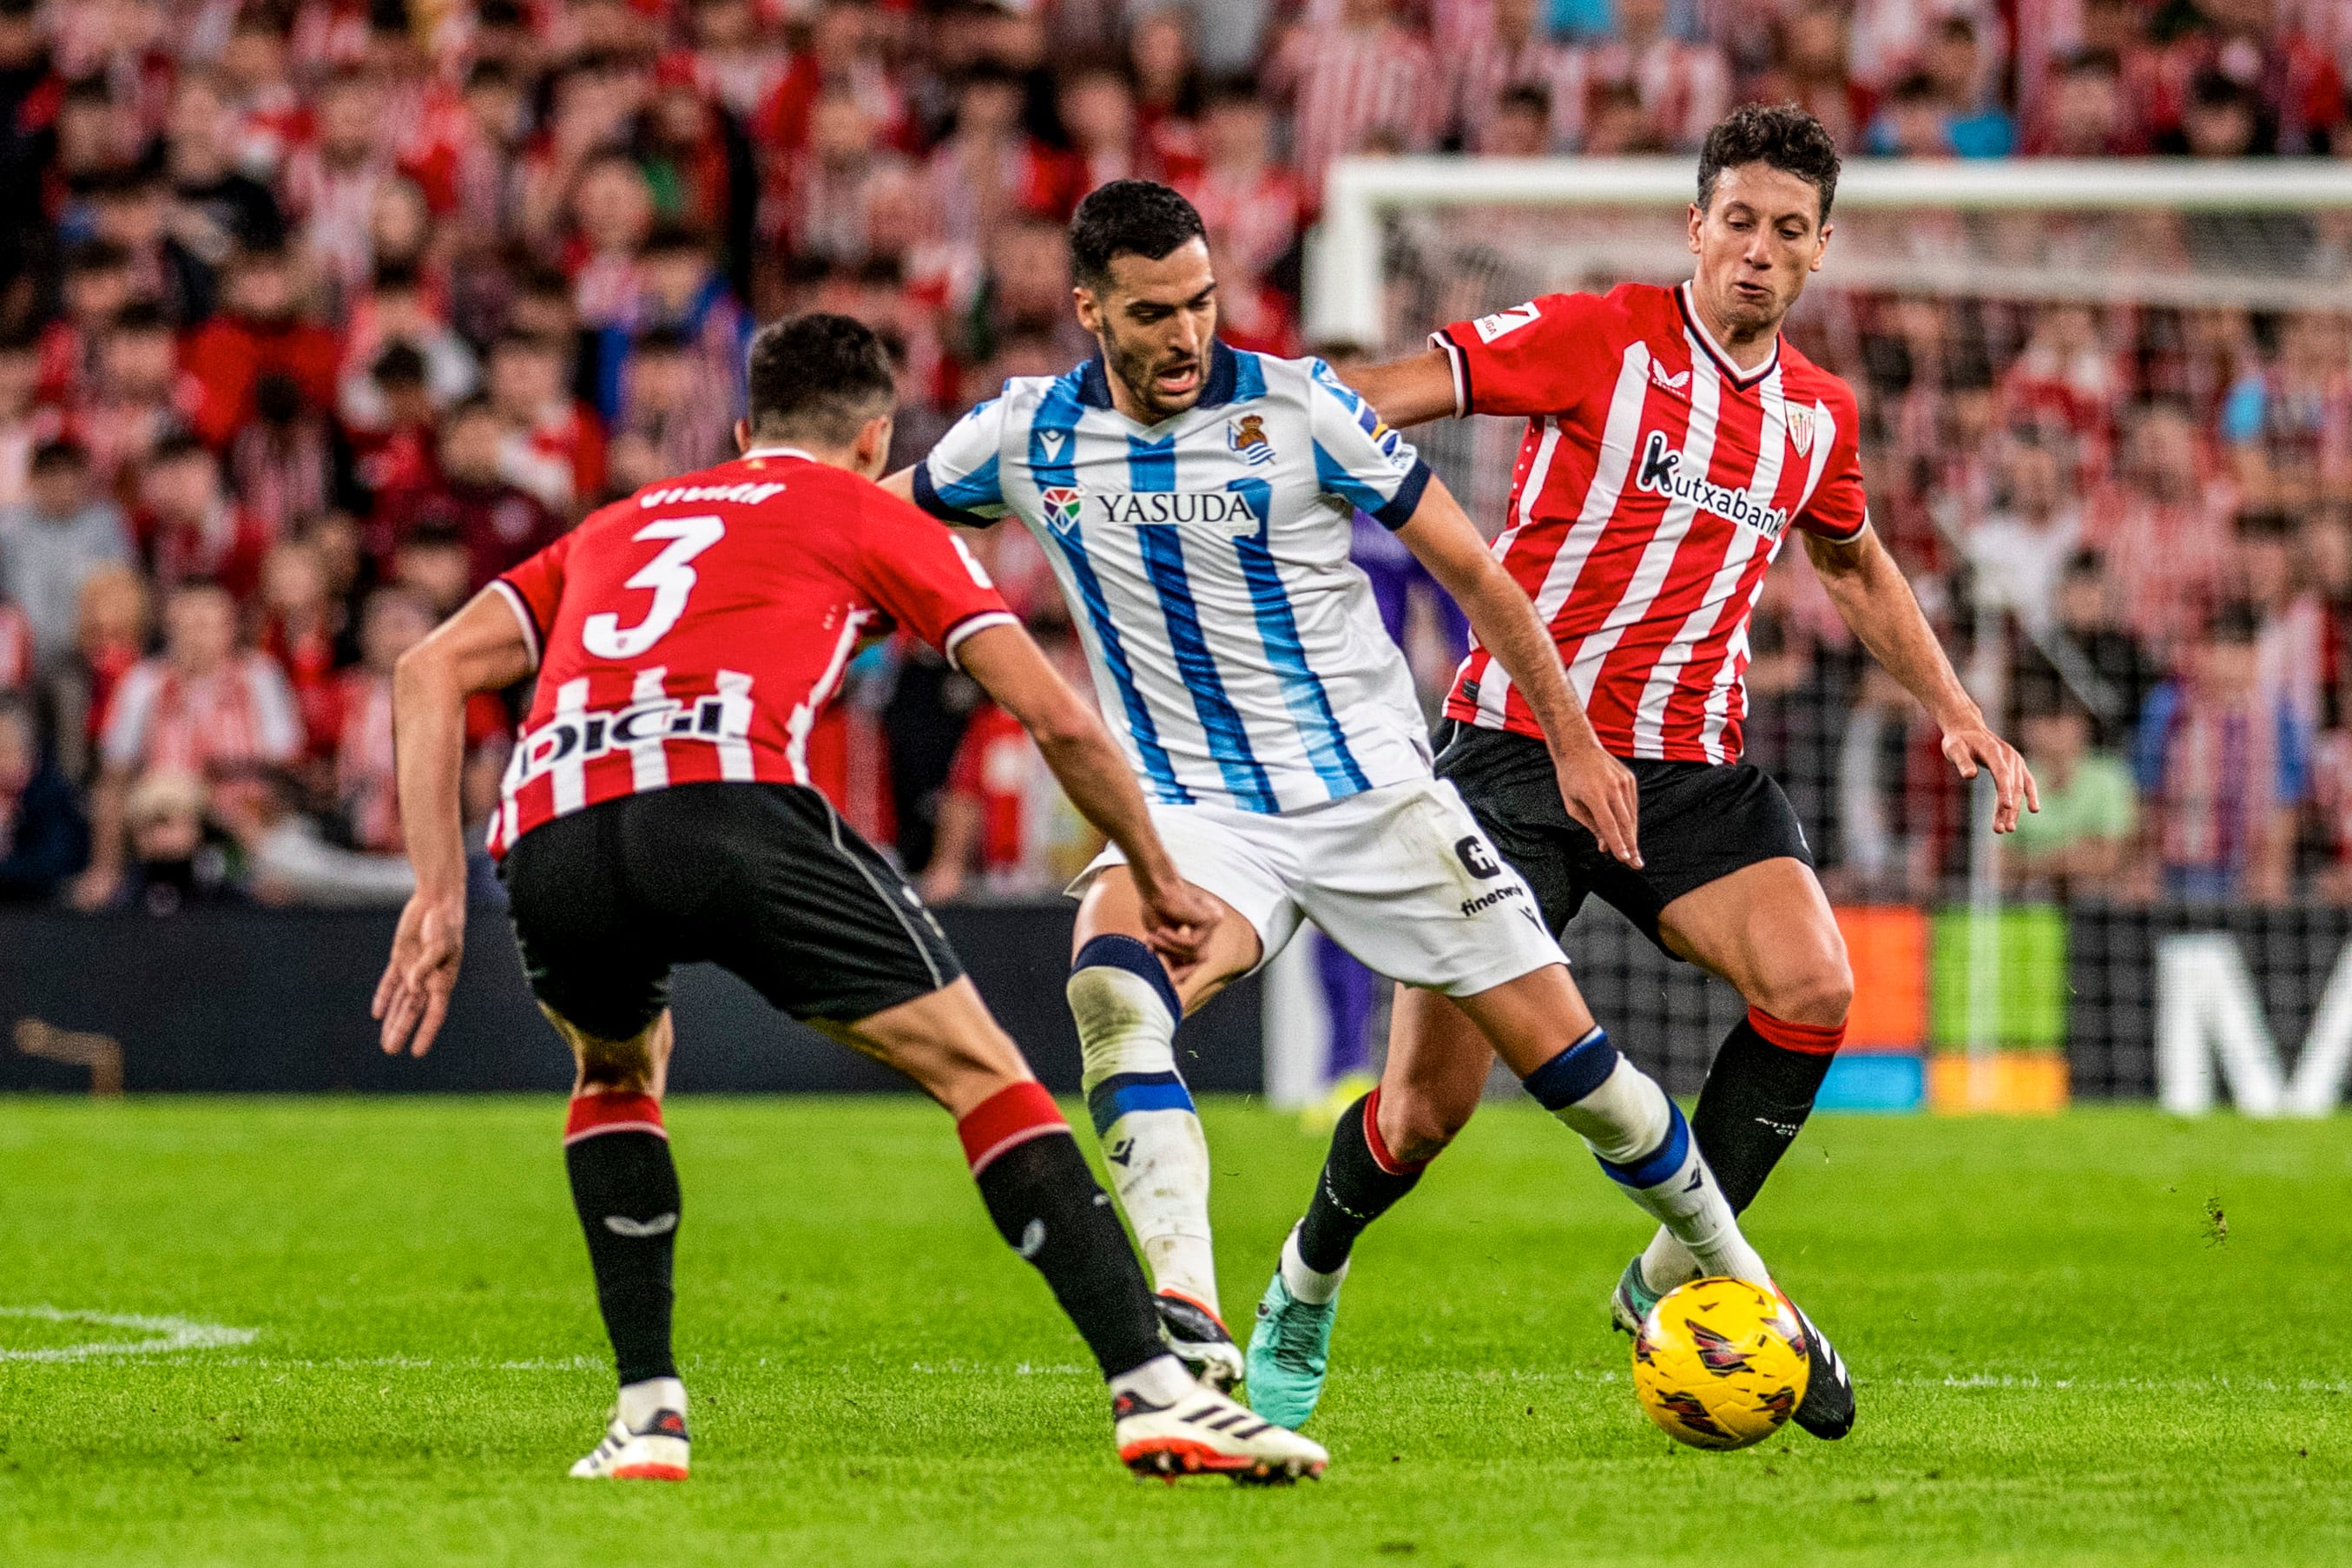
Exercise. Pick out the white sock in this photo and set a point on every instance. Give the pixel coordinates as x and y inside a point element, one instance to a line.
<point>1160,1380</point>
<point>641,1402</point>
<point>1666,1263</point>
<point>1143,1115</point>
<point>1639,1136</point>
<point>1311,1286</point>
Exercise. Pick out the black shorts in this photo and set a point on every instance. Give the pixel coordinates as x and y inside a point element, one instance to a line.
<point>1699,822</point>
<point>763,879</point>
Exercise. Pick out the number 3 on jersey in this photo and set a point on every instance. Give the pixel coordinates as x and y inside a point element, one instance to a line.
<point>669,575</point>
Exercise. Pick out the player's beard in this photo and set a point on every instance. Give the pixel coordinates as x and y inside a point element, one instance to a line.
<point>1137,367</point>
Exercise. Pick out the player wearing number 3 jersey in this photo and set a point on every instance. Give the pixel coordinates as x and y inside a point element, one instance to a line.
<point>658,812</point>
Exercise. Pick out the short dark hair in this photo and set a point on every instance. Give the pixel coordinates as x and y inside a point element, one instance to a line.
<point>1782,135</point>
<point>1128,218</point>
<point>819,375</point>
<point>399,365</point>
<point>63,452</point>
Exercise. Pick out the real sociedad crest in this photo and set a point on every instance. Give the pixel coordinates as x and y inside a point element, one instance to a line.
<point>1246,434</point>
<point>1063,505</point>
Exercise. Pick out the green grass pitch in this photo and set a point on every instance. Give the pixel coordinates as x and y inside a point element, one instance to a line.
<point>2059,1360</point>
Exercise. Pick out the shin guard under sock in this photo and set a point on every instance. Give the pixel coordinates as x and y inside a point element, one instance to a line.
<point>624,1189</point>
<point>1048,1209</point>
<point>1360,1180</point>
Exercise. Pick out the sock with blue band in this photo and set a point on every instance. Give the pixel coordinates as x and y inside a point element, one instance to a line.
<point>1126,1011</point>
<point>1639,1136</point>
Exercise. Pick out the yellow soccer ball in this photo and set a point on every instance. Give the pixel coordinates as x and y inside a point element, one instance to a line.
<point>1719,1363</point>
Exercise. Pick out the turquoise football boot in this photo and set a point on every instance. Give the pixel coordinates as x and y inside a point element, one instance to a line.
<point>1289,1353</point>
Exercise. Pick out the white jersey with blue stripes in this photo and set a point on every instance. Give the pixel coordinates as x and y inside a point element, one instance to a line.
<point>1205,562</point>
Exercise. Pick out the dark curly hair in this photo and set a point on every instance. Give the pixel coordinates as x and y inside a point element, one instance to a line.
<point>1128,218</point>
<point>1782,135</point>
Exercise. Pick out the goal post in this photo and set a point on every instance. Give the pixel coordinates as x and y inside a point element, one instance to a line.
<point>1346,271</point>
<point>1407,244</point>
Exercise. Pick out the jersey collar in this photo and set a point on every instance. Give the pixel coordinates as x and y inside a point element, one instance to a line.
<point>776,452</point>
<point>1724,361</point>
<point>1225,375</point>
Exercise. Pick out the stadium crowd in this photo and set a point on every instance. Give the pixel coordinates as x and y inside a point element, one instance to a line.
<point>316,315</point>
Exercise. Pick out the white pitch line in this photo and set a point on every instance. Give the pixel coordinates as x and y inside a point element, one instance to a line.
<point>169,1334</point>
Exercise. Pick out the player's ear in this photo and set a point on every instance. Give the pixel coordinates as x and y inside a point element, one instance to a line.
<point>1089,307</point>
<point>872,449</point>
<point>1822,245</point>
<point>742,435</point>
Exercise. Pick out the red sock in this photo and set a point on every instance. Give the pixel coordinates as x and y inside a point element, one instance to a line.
<point>593,1113</point>
<point>1007,1119</point>
<point>1808,1039</point>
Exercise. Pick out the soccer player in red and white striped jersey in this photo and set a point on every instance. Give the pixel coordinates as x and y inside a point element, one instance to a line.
<point>659,811</point>
<point>1675,442</point>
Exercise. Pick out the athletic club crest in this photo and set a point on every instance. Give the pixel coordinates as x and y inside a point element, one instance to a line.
<point>1246,434</point>
<point>1801,430</point>
<point>1062,504</point>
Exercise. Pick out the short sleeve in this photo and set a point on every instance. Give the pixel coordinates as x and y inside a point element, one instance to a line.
<point>1837,510</point>
<point>533,590</point>
<point>1532,359</point>
<point>925,578</point>
<point>956,481</point>
<point>1359,459</point>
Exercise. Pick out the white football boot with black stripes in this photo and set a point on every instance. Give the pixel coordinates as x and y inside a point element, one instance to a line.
<point>658,1453</point>
<point>1205,1433</point>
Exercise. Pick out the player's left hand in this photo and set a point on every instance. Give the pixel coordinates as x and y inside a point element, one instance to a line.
<point>1971,746</point>
<point>1177,920</point>
<point>412,998</point>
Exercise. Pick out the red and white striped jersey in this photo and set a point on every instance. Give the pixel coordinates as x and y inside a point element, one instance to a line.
<point>1654,485</point>
<point>694,632</point>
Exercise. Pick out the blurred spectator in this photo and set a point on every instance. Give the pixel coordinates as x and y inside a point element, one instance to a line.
<point>496,522</point>
<point>2288,421</point>
<point>433,563</point>
<point>201,709</point>
<point>192,528</point>
<point>219,206</point>
<point>2087,114</point>
<point>258,332</point>
<point>133,211</point>
<point>1515,51</point>
<point>1683,87</point>
<point>668,423</point>
<point>681,289</point>
<point>1811,68</point>
<point>51,543</point>
<point>1251,203</point>
<point>2020,547</point>
<point>1371,77</point>
<point>367,802</point>
<point>2164,526</point>
<point>554,443</point>
<point>299,627</point>
<point>140,399</point>
<point>116,614</point>
<point>168,862</point>
<point>2074,846</point>
<point>43,840</point>
<point>2223,769</point>
<point>396,313</point>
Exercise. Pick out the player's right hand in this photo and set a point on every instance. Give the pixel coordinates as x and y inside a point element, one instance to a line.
<point>1601,793</point>
<point>1177,920</point>
<point>412,998</point>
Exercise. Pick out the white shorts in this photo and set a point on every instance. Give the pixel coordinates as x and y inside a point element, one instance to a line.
<point>1400,877</point>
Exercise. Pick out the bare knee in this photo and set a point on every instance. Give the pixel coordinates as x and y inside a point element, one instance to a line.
<point>1416,1128</point>
<point>1819,993</point>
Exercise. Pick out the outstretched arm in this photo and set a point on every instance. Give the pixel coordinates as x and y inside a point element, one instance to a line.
<point>1869,591</point>
<point>480,648</point>
<point>1013,672</point>
<point>1408,391</point>
<point>1599,789</point>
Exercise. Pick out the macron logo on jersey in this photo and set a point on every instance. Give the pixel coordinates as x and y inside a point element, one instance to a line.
<point>1661,474</point>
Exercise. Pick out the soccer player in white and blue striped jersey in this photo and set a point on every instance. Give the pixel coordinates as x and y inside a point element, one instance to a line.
<point>1196,504</point>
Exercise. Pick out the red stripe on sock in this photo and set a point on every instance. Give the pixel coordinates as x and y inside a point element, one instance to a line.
<point>594,1113</point>
<point>1811,1039</point>
<point>1378,1145</point>
<point>1012,1116</point>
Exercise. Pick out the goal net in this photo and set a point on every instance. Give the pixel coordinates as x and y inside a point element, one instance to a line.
<point>2106,408</point>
